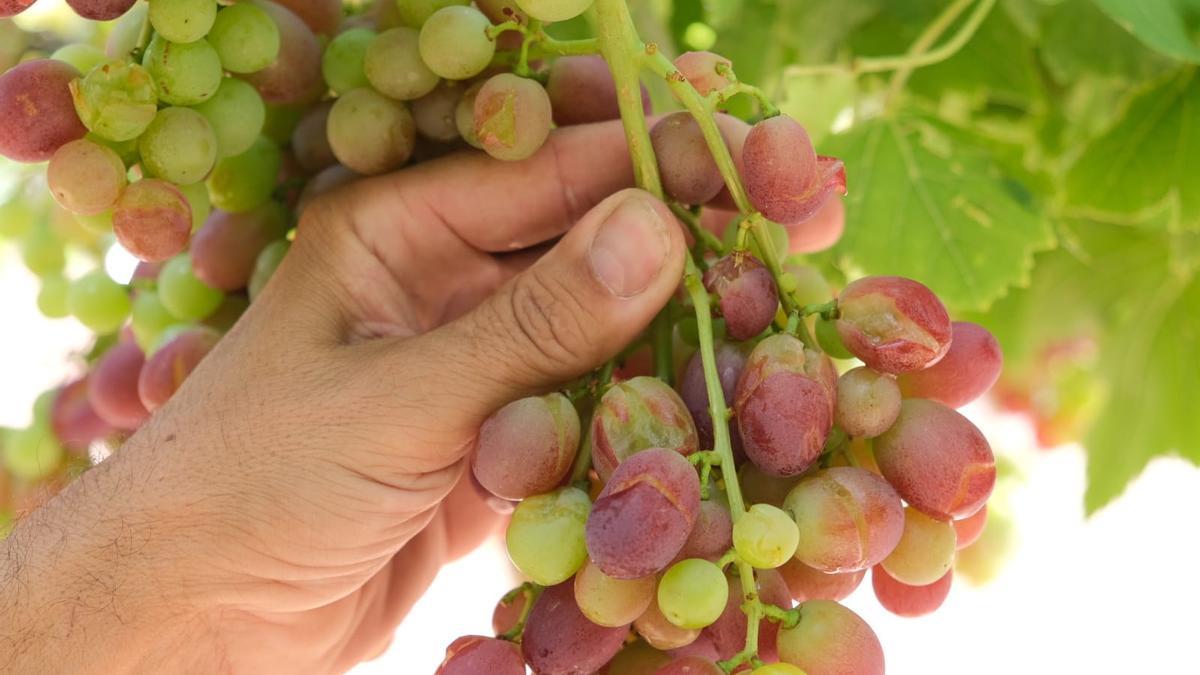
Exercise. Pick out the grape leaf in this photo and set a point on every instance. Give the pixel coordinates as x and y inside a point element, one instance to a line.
<point>928,202</point>
<point>1163,25</point>
<point>1148,156</point>
<point>1079,39</point>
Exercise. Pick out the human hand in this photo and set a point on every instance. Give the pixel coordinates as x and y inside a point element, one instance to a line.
<point>290,503</point>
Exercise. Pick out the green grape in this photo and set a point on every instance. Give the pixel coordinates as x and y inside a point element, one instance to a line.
<point>43,405</point>
<point>81,55</point>
<point>32,454</point>
<point>546,538</point>
<point>126,150</point>
<point>766,537</point>
<point>182,294</point>
<point>52,298</point>
<point>394,67</point>
<point>554,10</point>
<point>183,21</point>
<point>186,74</point>
<point>415,13</point>
<point>17,217</point>
<point>237,115</point>
<point>179,146</point>
<point>264,268</point>
<point>830,340</point>
<point>454,42</point>
<point>777,669</point>
<point>197,198</point>
<point>42,252</point>
<point>692,594</point>
<point>126,31</point>
<point>245,38</point>
<point>281,123</point>
<point>116,100</point>
<point>926,550</point>
<point>244,182</point>
<point>98,302</point>
<point>150,320</point>
<point>342,64</point>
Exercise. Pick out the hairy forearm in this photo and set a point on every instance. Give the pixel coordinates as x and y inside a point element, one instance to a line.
<point>89,582</point>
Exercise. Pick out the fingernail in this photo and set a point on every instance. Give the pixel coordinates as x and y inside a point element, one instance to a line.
<point>630,248</point>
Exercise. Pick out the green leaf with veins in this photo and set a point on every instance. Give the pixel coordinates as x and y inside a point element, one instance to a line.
<point>927,201</point>
<point>1078,40</point>
<point>1149,156</point>
<point>1168,26</point>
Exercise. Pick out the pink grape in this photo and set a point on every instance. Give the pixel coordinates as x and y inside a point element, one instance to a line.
<point>968,371</point>
<point>512,117</point>
<point>849,519</point>
<point>581,91</point>
<point>731,360</point>
<point>165,371</point>
<point>831,640</point>
<point>690,665</point>
<point>370,133</point>
<point>712,535</point>
<point>636,415</point>
<point>895,325</point>
<point>227,247</point>
<point>527,447</point>
<point>434,112</point>
<point>76,424</point>
<point>607,601</point>
<point>968,529</point>
<point>785,178</point>
<point>644,514</point>
<point>689,172</point>
<point>559,639</point>
<point>937,460</point>
<point>101,10</point>
<point>113,386</point>
<point>700,69</point>
<point>86,178</point>
<point>322,16</point>
<point>746,294</point>
<point>809,583</point>
<point>868,402</point>
<point>820,232</point>
<point>785,405</point>
<point>659,632</point>
<point>728,634</point>
<point>925,552</point>
<point>702,648</point>
<point>37,113</point>
<point>14,7</point>
<point>473,654</point>
<point>310,143</point>
<point>295,76</point>
<point>153,220</point>
<point>909,601</point>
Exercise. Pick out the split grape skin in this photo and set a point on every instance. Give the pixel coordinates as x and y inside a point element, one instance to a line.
<point>808,583</point>
<point>153,220</point>
<point>512,117</point>
<point>966,372</point>
<point>849,519</point>
<point>636,415</point>
<point>785,178</point>
<point>895,325</point>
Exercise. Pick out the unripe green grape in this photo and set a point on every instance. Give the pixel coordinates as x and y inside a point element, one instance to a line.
<point>342,63</point>
<point>116,100</point>
<point>182,294</point>
<point>554,10</point>
<point>454,42</point>
<point>925,552</point>
<point>42,252</point>
<point>245,38</point>
<point>264,268</point>
<point>281,122</point>
<point>81,55</point>
<point>830,340</point>
<point>765,536</point>
<point>186,74</point>
<point>692,594</point>
<point>16,218</point>
<point>237,115</point>
<point>415,13</point>
<point>777,669</point>
<point>32,454</point>
<point>98,302</point>
<point>393,65</point>
<point>244,182</point>
<point>179,146</point>
<point>101,223</point>
<point>150,320</point>
<point>546,538</point>
<point>183,21</point>
<point>52,298</point>
<point>370,133</point>
<point>197,198</point>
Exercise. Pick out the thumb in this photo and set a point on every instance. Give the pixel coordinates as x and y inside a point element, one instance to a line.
<point>574,309</point>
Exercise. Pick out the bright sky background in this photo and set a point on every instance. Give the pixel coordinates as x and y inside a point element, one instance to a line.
<point>1116,594</point>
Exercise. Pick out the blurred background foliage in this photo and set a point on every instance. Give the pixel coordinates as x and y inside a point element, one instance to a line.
<point>1036,162</point>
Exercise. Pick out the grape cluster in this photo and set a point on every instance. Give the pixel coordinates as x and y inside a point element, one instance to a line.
<point>660,530</point>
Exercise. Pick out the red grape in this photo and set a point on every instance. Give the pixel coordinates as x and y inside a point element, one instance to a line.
<point>559,639</point>
<point>322,16</point>
<point>310,142</point>
<point>690,665</point>
<point>644,515</point>
<point>895,325</point>
<point>689,172</point>
<point>295,77</point>
<point>636,415</point>
<point>968,529</point>
<point>909,601</point>
<point>101,10</point>
<point>937,460</point>
<point>14,7</point>
<point>712,535</point>
<point>849,519</point>
<point>701,70</point>
<point>728,634</point>
<point>507,614</point>
<point>731,360</point>
<point>831,640</point>
<point>226,249</point>
<point>581,91</point>
<point>746,294</point>
<point>153,220</point>
<point>113,386</point>
<point>527,447</point>
<point>37,113</point>
<point>809,583</point>
<point>785,178</point>
<point>868,403</point>
<point>75,422</point>
<point>165,371</point>
<point>472,655</point>
<point>820,232</point>
<point>968,371</point>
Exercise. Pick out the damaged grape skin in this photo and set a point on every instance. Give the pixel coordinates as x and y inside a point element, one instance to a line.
<point>636,415</point>
<point>894,325</point>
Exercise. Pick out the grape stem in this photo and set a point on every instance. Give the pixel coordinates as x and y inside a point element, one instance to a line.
<point>924,42</point>
<point>910,61</point>
<point>626,54</point>
<point>699,233</point>
<point>531,592</point>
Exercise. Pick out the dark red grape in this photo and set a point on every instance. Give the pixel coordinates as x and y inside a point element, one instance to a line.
<point>581,91</point>
<point>473,655</point>
<point>37,113</point>
<point>101,10</point>
<point>731,360</point>
<point>689,172</point>
<point>746,294</point>
<point>559,639</point>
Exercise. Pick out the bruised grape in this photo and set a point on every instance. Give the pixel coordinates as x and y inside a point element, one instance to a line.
<point>895,325</point>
